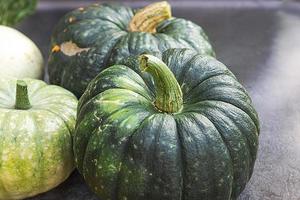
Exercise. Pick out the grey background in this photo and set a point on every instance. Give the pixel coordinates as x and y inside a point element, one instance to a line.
<point>260,42</point>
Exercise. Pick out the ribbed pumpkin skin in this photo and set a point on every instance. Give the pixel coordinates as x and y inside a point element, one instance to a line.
<point>126,149</point>
<point>103,29</point>
<point>35,144</point>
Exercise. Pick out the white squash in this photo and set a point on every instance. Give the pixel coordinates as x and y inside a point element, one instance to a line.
<point>19,56</point>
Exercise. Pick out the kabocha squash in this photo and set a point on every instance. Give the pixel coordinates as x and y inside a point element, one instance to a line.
<point>89,39</point>
<point>36,122</point>
<point>186,129</point>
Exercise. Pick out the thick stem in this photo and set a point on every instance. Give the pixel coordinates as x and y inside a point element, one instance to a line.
<point>22,100</point>
<point>168,92</point>
<point>147,19</point>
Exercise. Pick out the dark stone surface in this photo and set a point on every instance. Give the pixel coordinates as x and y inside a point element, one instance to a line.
<point>261,45</point>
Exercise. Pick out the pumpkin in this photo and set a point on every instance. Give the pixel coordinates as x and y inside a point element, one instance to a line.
<point>178,128</point>
<point>36,125</point>
<point>20,57</point>
<point>89,39</point>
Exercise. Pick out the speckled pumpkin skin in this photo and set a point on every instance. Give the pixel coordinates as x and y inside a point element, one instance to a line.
<point>127,149</point>
<point>104,30</point>
<point>36,144</point>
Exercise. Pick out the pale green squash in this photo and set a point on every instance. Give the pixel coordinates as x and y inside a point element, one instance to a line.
<point>35,137</point>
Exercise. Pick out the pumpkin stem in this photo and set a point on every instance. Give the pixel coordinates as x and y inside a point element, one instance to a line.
<point>22,100</point>
<point>168,92</point>
<point>147,18</point>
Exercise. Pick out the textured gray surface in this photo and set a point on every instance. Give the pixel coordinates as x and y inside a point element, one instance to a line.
<point>261,45</point>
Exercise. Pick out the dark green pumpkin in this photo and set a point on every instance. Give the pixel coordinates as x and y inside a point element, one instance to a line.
<point>145,136</point>
<point>89,39</point>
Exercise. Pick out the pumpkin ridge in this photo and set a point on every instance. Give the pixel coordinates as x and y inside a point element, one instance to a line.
<point>170,56</point>
<point>118,179</point>
<point>138,80</point>
<point>206,89</point>
<point>233,121</point>
<point>201,82</point>
<point>242,187</point>
<point>171,40</point>
<point>63,76</point>
<point>99,94</point>
<point>63,120</point>
<point>205,48</point>
<point>186,69</point>
<point>123,22</point>
<point>204,61</point>
<point>107,58</point>
<point>32,95</point>
<point>107,116</point>
<point>130,45</point>
<point>189,42</point>
<point>196,122</point>
<point>228,86</point>
<point>246,140</point>
<point>225,144</point>
<point>119,10</point>
<point>93,18</point>
<point>4,120</point>
<point>156,138</point>
<point>96,125</point>
<point>200,30</point>
<point>44,106</point>
<point>147,89</point>
<point>158,40</point>
<point>233,84</point>
<point>80,166</point>
<point>133,61</point>
<point>53,104</point>
<point>249,161</point>
<point>38,102</point>
<point>253,118</point>
<point>109,54</point>
<point>70,66</point>
<point>38,146</point>
<point>241,135</point>
<point>208,152</point>
<point>83,107</point>
<point>4,97</point>
<point>116,175</point>
<point>202,130</point>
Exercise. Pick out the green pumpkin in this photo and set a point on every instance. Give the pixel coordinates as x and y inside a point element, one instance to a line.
<point>36,126</point>
<point>186,129</point>
<point>87,40</point>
